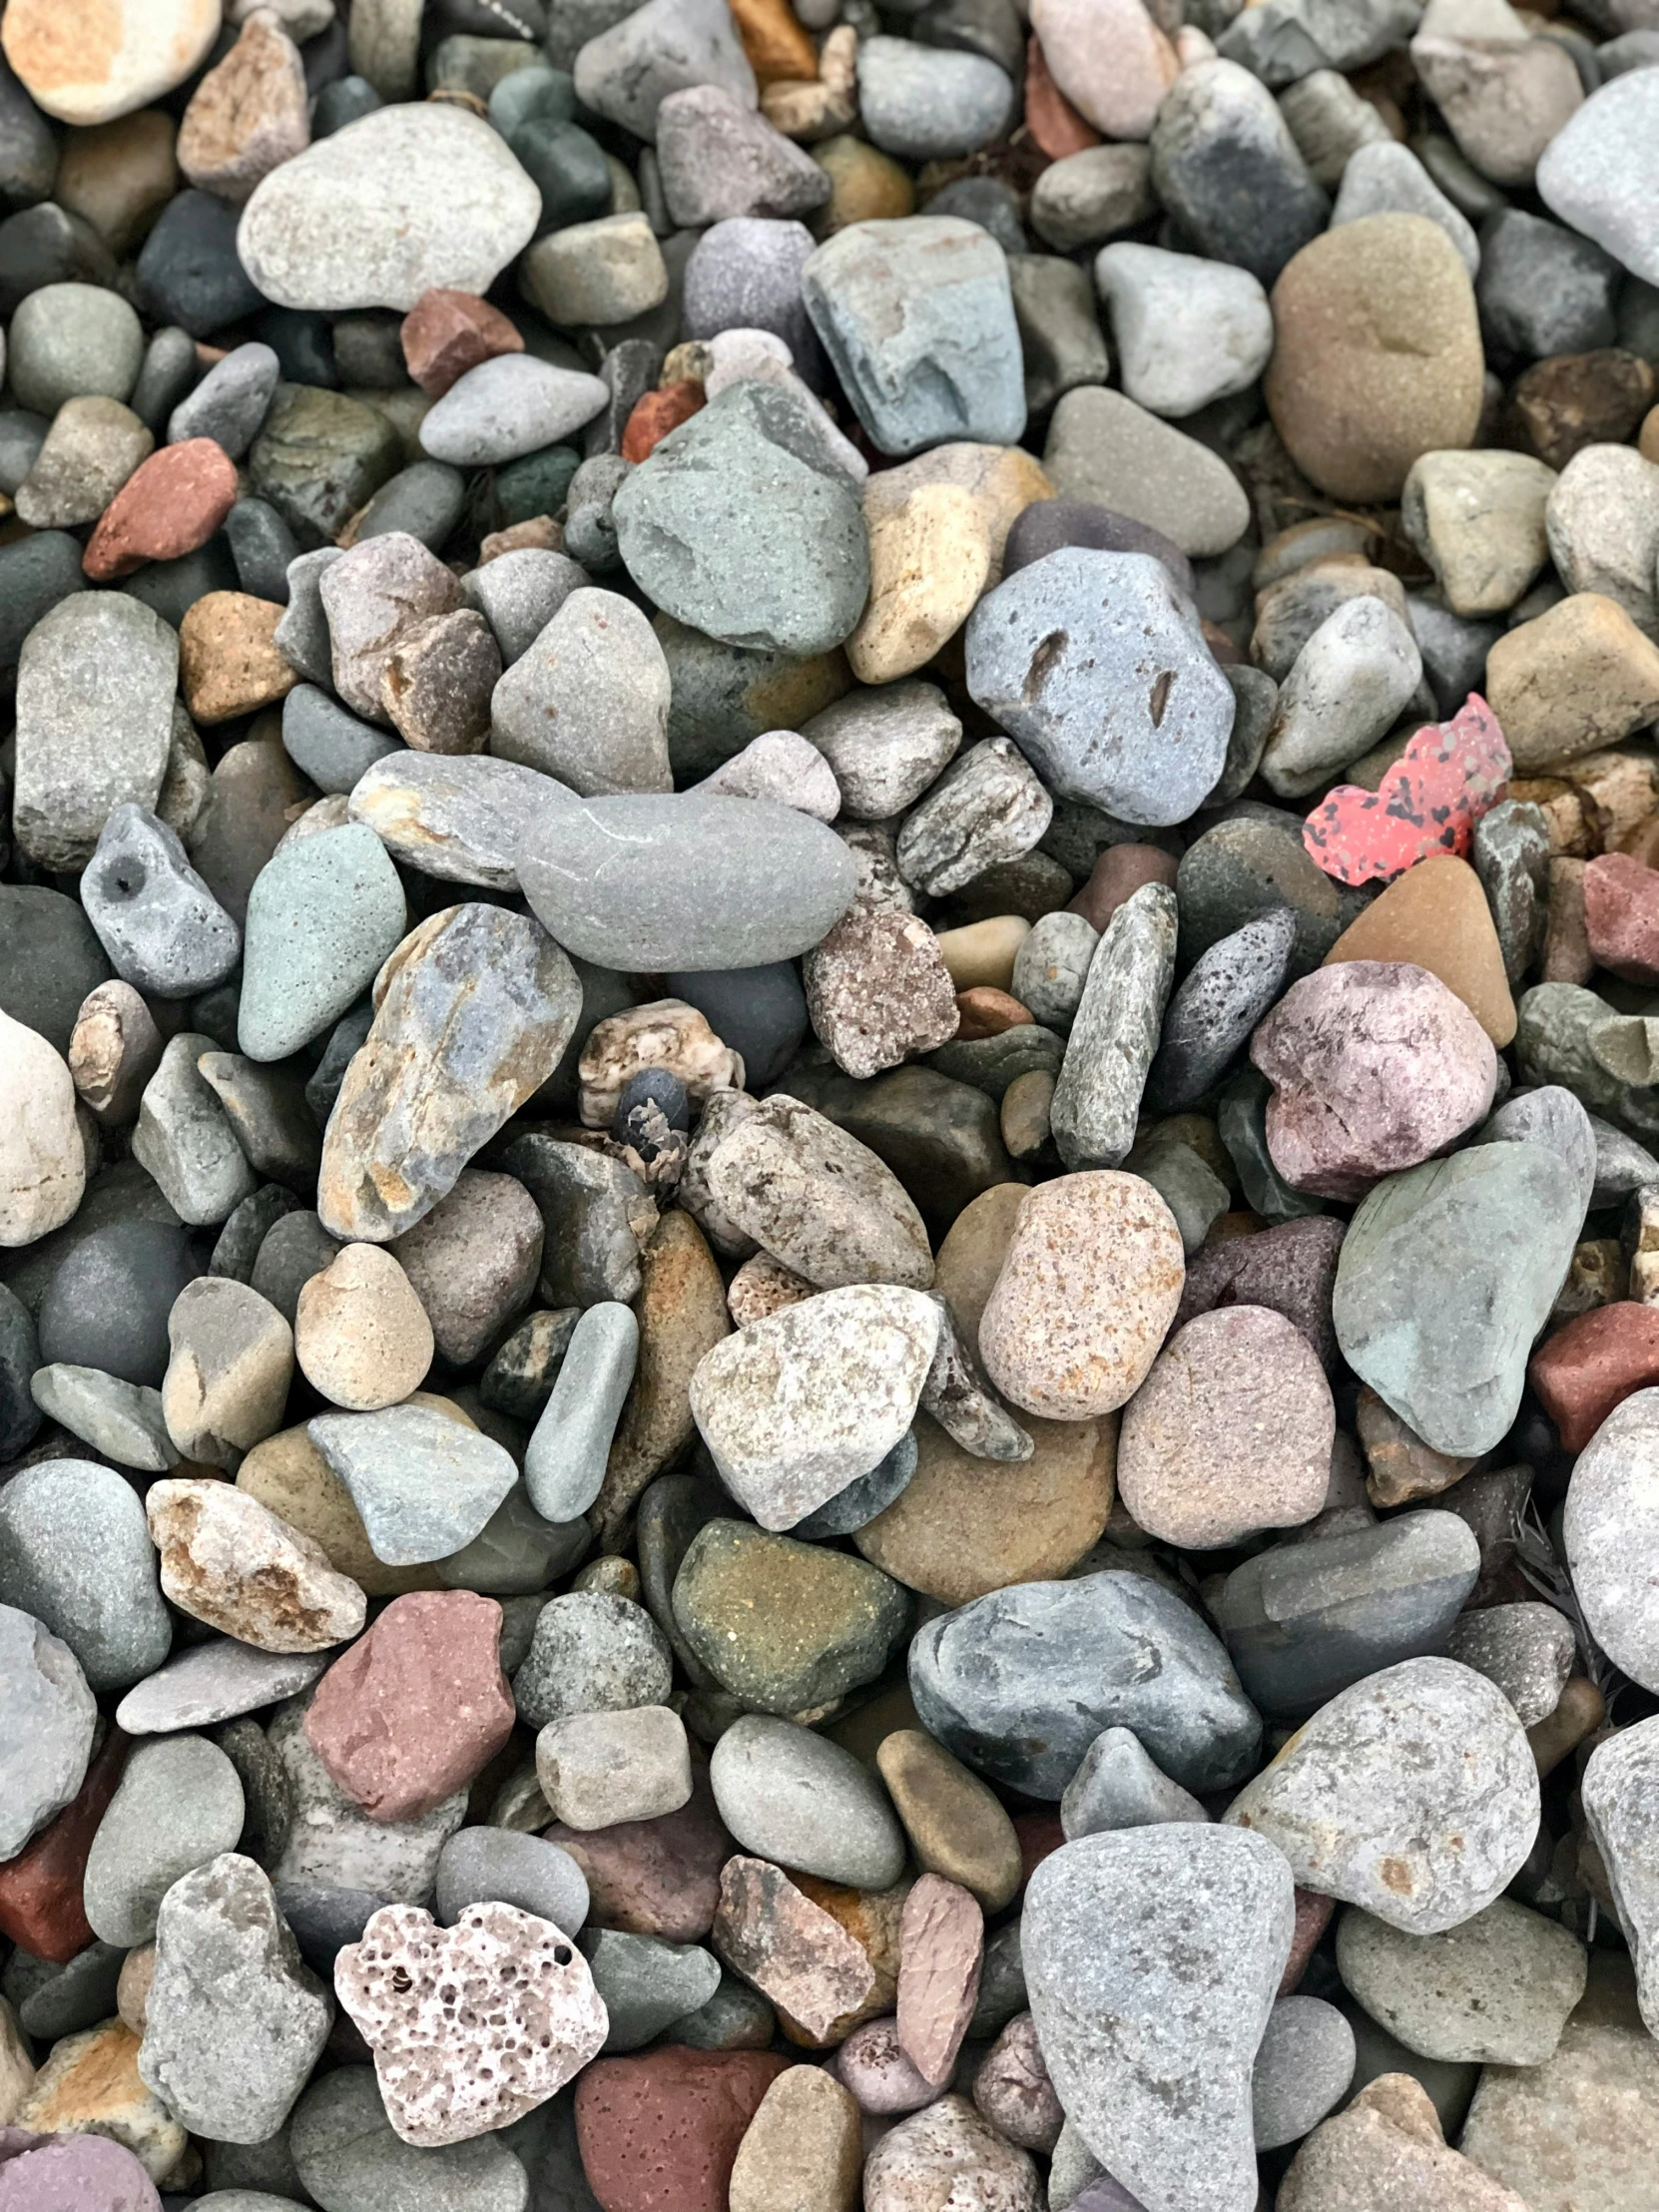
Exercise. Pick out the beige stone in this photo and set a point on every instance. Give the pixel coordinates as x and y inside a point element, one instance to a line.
<point>808,109</point>
<point>983,953</point>
<point>229,1370</point>
<point>1478,520</point>
<point>960,1529</point>
<point>43,1168</point>
<point>974,1248</point>
<point>929,559</point>
<point>17,2068</point>
<point>248,115</point>
<point>865,186</point>
<point>89,61</point>
<point>291,1479</point>
<point>1087,1293</point>
<point>1386,2153</point>
<point>957,1825</point>
<point>946,2156</point>
<point>1436,915</point>
<point>132,1991</point>
<point>362,1336</point>
<point>1378,356</point>
<point>1503,99</point>
<point>90,2085</point>
<point>803,2149</point>
<point>1001,480</point>
<point>764,1286</point>
<point>1580,676</point>
<point>114,1050</point>
<point>228,1560</point>
<point>665,1034</point>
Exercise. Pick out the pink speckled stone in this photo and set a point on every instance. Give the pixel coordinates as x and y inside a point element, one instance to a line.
<point>1013,2091</point>
<point>941,1941</point>
<point>875,2069</point>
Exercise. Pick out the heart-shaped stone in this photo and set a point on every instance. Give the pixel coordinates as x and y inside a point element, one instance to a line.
<point>1451,773</point>
<point>473,2026</point>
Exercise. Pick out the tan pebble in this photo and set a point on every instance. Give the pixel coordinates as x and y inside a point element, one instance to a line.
<point>1386,2148</point>
<point>981,955</point>
<point>89,61</point>
<point>1579,1711</point>
<point>228,1373</point>
<point>228,1561</point>
<point>1401,1467</point>
<point>248,115</point>
<point>945,2156</point>
<point>132,1991</point>
<point>1435,917</point>
<point>972,1255</point>
<point>1579,676</point>
<point>664,1033</point>
<point>1001,480</point>
<point>229,664</point>
<point>291,1479</point>
<point>119,176</point>
<point>1503,97</point>
<point>803,2149</point>
<point>362,1336</point>
<point>761,1286</point>
<point>1025,1113</point>
<point>610,1577</point>
<point>929,559</point>
<point>1647,438</point>
<point>957,1826</point>
<point>1013,2091</point>
<point>1088,1289</point>
<point>1567,957</point>
<point>865,185</point>
<point>91,2085</point>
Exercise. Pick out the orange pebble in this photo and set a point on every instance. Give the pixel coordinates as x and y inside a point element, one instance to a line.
<point>657,414</point>
<point>986,1012</point>
<point>1049,116</point>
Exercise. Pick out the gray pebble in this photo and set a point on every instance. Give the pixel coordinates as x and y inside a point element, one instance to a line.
<point>164,931</point>
<point>587,703</point>
<point>1528,1649</point>
<point>64,1999</point>
<point>1304,2069</point>
<point>518,594</point>
<point>565,1463</point>
<point>592,1653</point>
<point>1226,167</point>
<point>263,547</point>
<point>75,1552</point>
<point>1588,170</point>
<point>228,405</point>
<point>799,1799</point>
<point>1117,1786</point>
<point>178,1804</point>
<point>69,341</point>
<point>629,69</point>
<point>1114,1034</point>
<point>424,501</point>
<point>1224,995</point>
<point>108,1299</point>
<point>294,1249</point>
<point>329,1839</point>
<point>184,1139</point>
<point>1621,1805</point>
<point>515,1553</point>
<point>458,816</point>
<point>1544,290</point>
<point>717,159</point>
<point>597,1213</point>
<point>121,1420</point>
<point>508,406</point>
<point>49,1719</point>
<point>1551,1116</point>
<point>1611,1533</point>
<point>886,745</point>
<point>328,746</point>
<point>301,636</point>
<point>1052,967</point>
<point>985,808</point>
<point>925,102</point>
<point>1387,179</point>
<point>322,918</point>
<point>1497,1989</point>
<point>647,1983</point>
<point>349,2159</point>
<point>213,1682</point>
<point>481,1863</point>
<point>424,1483</point>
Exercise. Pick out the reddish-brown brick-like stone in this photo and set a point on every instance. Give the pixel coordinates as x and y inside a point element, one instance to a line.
<point>659,2133</point>
<point>1621,915</point>
<point>170,504</point>
<point>1049,116</point>
<point>1120,872</point>
<point>1312,1918</point>
<point>1588,1368</point>
<point>657,413</point>
<point>447,332</point>
<point>942,1940</point>
<point>654,1878</point>
<point>416,1707</point>
<point>40,1889</point>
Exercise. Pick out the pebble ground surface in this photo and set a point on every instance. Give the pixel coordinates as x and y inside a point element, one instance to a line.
<point>829,1106</point>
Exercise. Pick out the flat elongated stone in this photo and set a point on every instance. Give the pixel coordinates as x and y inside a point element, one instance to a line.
<point>818,1200</point>
<point>477,1007</point>
<point>213,1682</point>
<point>1114,1034</point>
<point>793,1797</point>
<point>1497,1989</point>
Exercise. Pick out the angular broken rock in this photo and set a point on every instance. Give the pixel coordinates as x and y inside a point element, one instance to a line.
<point>458,816</point>
<point>475,1008</point>
<point>233,2022</point>
<point>796,1953</point>
<point>229,1562</point>
<point>877,989</point>
<point>796,1406</point>
<point>1150,2019</point>
<point>941,1941</point>
<point>1114,1036</point>
<point>957,1395</point>
<point>473,2026</point>
<point>1386,2149</point>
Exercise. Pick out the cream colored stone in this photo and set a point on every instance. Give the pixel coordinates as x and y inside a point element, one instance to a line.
<point>229,1562</point>
<point>1580,676</point>
<point>803,2149</point>
<point>88,61</point>
<point>1004,480</point>
<point>42,1161</point>
<point>360,1334</point>
<point>1478,520</point>
<point>930,560</point>
<point>17,2068</point>
<point>90,2085</point>
<point>665,1034</point>
<point>983,953</point>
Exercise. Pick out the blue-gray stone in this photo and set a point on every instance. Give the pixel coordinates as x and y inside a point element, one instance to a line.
<point>1544,290</point>
<point>64,1999</point>
<point>424,1483</point>
<point>740,525</point>
<point>1210,1016</point>
<point>1445,1278</point>
<point>108,1300</point>
<point>1095,663</point>
<point>929,103</point>
<point>349,2157</point>
<point>644,884</point>
<point>262,545</point>
<point>518,594</point>
<point>1305,1619</point>
<point>515,1554</point>
<point>19,1358</point>
<point>213,1682</point>
<point>75,1552</point>
<point>647,1983</point>
<point>329,744</point>
<point>1554,1117</point>
<point>164,931</point>
<point>121,1421</point>
<point>565,1462</point>
<point>49,1718</point>
<point>918,317</point>
<point>424,500</point>
<point>865,1497</point>
<point>761,1012</point>
<point>1020,1682</point>
<point>592,1653</point>
<point>229,403</point>
<point>302,637</point>
<point>322,918</point>
<point>178,1804</point>
<point>481,1864</point>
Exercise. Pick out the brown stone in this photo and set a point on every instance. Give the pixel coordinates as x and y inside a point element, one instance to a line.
<point>777,46</point>
<point>447,332</point>
<point>1012,2090</point>
<point>360,1333</point>
<point>1579,1711</point>
<point>1118,873</point>
<point>1313,1917</point>
<point>170,504</point>
<point>800,1957</point>
<point>474,1262</point>
<point>228,1561</point>
<point>416,1707</point>
<point>956,1824</point>
<point>941,1941</point>
<point>1569,815</point>
<point>90,2085</point>
<point>1376,356</point>
<point>289,1478</point>
<point>1592,1364</point>
<point>114,1050</point>
<point>1579,676</point>
<point>657,413</point>
<point>660,2133</point>
<point>229,664</point>
<point>984,1012</point>
<point>1436,917</point>
<point>878,991</point>
<point>1572,400</point>
<point>1401,1467</point>
<point>974,1248</point>
<point>119,176</point>
<point>40,1889</point>
<point>654,1878</point>
<point>1599,1274</point>
<point>865,186</point>
<point>132,1990</point>
<point>682,1315</point>
<point>246,817</point>
<point>764,1285</point>
<point>248,115</point>
<point>1054,123</point>
<point>439,678</point>
<point>1385,2150</point>
<point>959,1530</point>
<point>540,534</point>
<point>803,2150</point>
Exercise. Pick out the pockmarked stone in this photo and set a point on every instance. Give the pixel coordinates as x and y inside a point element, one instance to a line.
<point>1150,2022</point>
<point>1446,1276</point>
<point>424,1482</point>
<point>688,2107</point>
<point>407,198</point>
<point>471,2027</point>
<point>1088,1287</point>
<point>1020,1682</point>
<point>178,1805</point>
<point>1610,1530</point>
<point>229,1562</point>
<point>1414,1794</point>
<point>1497,1989</point>
<point>233,2022</point>
<point>943,2149</point>
<point>75,1554</point>
<point>49,1737</point>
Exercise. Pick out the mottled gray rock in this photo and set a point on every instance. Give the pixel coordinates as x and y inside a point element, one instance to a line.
<point>1495,1991</point>
<point>301,636</point>
<point>1414,1794</point>
<point>424,1483</point>
<point>718,159</point>
<point>1222,998</point>
<point>1104,450</point>
<point>1114,1034</point>
<point>53,2001</point>
<point>985,808</point>
<point>184,1140</point>
<point>647,1984</point>
<point>506,407</point>
<point>1187,330</point>
<point>587,703</point>
<point>347,2156</point>
<point>49,1719</point>
<point>1094,663</point>
<point>1387,179</point>
<point>925,102</point>
<point>592,1653</point>
<point>1611,1533</point>
<point>629,69</point>
<point>1117,1786</point>
<point>1226,167</point>
<point>918,317</point>
<point>645,883</point>
<point>123,1421</point>
<point>213,1682</point>
<point>596,1216</point>
<point>229,403</point>
<point>886,745</point>
<point>1551,1116</point>
<point>803,1802</point>
<point>1305,1620</point>
<point>1019,1683</point>
<point>178,1804</point>
<point>1304,2069</point>
<point>1597,173</point>
<point>483,1863</point>
<point>457,816</point>
<point>1348,684</point>
<point>164,931</point>
<point>1149,2020</point>
<point>75,1552</point>
<point>1621,1805</point>
<point>326,1838</point>
<point>565,1462</point>
<point>518,594</point>
<point>233,2022</point>
<point>322,918</point>
<point>1528,1649</point>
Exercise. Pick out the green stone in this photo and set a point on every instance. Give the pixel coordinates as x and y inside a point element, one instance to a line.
<point>320,458</point>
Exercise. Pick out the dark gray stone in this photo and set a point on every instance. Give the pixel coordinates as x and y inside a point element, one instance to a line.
<point>108,1303</point>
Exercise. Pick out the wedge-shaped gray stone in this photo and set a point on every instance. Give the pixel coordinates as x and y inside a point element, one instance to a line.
<point>1415,1794</point>
<point>1611,1530</point>
<point>424,1483</point>
<point>322,917</point>
<point>647,1984</point>
<point>184,1137</point>
<point>213,1682</point>
<point>1496,1990</point>
<point>1304,2069</point>
<point>49,1716</point>
<point>1114,1036</point>
<point>631,67</point>
<point>233,2022</point>
<point>1117,1786</point>
<point>123,1421</point>
<point>1621,1805</point>
<point>1150,2019</point>
<point>1600,171</point>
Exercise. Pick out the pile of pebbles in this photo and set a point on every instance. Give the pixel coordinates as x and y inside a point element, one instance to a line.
<point>829,1106</point>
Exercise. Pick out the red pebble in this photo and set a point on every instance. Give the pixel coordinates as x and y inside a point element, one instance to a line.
<point>1049,116</point>
<point>1038,1835</point>
<point>1450,774</point>
<point>1621,915</point>
<point>659,2133</point>
<point>1590,1365</point>
<point>40,1889</point>
<point>170,504</point>
<point>418,1707</point>
<point>1312,1918</point>
<point>447,332</point>
<point>1120,872</point>
<point>658,413</point>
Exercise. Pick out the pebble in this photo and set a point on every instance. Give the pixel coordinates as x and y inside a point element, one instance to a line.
<point>1618,1795</point>
<point>1595,173</point>
<point>1390,2134</point>
<point>1188,331</point>
<point>803,2146</point>
<point>799,1799</point>
<point>43,1161</point>
<point>229,1562</point>
<point>949,2148</point>
<point>45,1761</point>
<point>692,2106</point>
<point>1497,1989</point>
<point>178,1805</point>
<point>596,1769</point>
<point>1149,2024</point>
<point>493,1865</point>
<point>1608,1535</point>
<point>342,2143</point>
<point>211,1682</point>
<point>1104,450</point>
<point>78,1559</point>
<point>1302,2071</point>
<point>162,928</point>
<point>424,1482</point>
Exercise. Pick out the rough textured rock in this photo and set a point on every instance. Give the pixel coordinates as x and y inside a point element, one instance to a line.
<point>227,1560</point>
<point>1497,1989</point>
